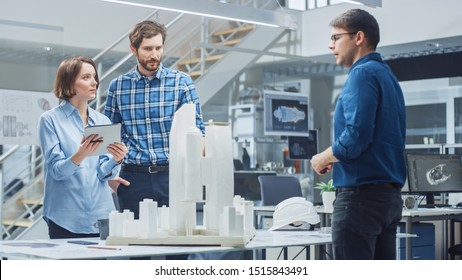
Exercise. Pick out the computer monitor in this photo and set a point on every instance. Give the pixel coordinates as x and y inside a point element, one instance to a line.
<point>431,174</point>
<point>420,149</point>
<point>303,147</point>
<point>246,183</point>
<point>285,114</point>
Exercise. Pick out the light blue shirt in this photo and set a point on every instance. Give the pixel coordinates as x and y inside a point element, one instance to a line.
<point>76,196</point>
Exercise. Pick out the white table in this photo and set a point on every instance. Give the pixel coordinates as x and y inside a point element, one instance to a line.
<point>429,214</point>
<point>409,217</point>
<point>267,211</point>
<point>61,249</point>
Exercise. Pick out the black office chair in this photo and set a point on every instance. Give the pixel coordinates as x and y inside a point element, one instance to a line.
<point>455,250</point>
<point>275,189</point>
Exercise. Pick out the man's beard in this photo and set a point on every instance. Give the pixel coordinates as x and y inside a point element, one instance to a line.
<point>145,65</point>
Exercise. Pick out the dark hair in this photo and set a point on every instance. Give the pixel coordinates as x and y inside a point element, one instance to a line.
<point>67,74</point>
<point>146,29</point>
<point>355,20</point>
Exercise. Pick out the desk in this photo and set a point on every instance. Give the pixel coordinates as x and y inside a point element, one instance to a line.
<point>60,249</point>
<point>428,214</point>
<point>409,216</point>
<point>264,211</point>
<point>267,211</point>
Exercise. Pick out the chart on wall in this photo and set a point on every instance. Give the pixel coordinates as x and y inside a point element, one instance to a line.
<point>19,114</point>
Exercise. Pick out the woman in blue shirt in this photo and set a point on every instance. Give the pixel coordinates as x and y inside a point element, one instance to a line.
<point>76,189</point>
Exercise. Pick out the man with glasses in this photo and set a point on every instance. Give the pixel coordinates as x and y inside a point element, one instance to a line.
<point>367,157</point>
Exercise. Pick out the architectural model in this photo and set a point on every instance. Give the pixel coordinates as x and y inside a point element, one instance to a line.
<point>228,220</point>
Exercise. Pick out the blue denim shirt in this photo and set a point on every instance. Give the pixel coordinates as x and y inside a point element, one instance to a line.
<point>75,196</point>
<point>370,126</point>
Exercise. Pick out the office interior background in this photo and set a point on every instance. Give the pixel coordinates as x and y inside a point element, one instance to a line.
<point>233,63</point>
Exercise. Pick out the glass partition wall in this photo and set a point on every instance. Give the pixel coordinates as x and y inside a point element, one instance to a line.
<point>434,118</point>
<point>434,112</point>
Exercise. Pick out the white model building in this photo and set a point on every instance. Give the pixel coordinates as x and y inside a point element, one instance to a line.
<point>227,221</point>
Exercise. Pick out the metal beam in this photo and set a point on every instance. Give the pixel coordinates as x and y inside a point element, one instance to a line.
<point>259,52</point>
<point>217,9</point>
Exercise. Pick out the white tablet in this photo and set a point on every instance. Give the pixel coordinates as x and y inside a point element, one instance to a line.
<point>109,132</point>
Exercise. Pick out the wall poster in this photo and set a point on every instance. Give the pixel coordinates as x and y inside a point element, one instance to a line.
<point>19,114</point>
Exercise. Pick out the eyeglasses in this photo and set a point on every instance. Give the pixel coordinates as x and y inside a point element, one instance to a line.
<point>335,37</point>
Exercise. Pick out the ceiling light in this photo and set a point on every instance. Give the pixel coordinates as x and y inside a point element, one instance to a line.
<point>217,9</point>
<point>369,3</point>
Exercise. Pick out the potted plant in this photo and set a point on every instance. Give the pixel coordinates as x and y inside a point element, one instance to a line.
<point>327,193</point>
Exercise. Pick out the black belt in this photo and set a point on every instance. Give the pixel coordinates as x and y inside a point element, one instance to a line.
<point>371,187</point>
<point>145,169</point>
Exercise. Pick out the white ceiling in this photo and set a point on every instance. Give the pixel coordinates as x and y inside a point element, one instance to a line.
<point>43,32</point>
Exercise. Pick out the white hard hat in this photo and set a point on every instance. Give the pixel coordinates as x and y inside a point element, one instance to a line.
<point>294,213</point>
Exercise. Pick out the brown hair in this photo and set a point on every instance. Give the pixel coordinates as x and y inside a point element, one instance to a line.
<point>355,20</point>
<point>146,29</point>
<point>67,74</point>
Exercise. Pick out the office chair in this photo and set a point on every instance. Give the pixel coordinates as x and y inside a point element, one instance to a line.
<point>275,189</point>
<point>455,250</point>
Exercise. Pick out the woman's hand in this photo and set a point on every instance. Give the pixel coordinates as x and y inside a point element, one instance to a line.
<point>88,145</point>
<point>118,151</point>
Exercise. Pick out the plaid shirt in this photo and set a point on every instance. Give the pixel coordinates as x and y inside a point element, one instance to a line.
<point>145,107</point>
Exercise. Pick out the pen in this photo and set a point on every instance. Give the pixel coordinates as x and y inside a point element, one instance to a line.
<point>104,248</point>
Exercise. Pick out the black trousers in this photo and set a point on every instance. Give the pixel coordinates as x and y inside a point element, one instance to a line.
<point>364,222</point>
<point>57,232</point>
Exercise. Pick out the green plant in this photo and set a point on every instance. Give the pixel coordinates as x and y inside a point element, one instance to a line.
<point>325,187</point>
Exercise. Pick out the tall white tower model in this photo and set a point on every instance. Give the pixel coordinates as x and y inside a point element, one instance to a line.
<point>190,171</point>
<point>185,188</point>
<point>220,183</point>
<point>194,172</point>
